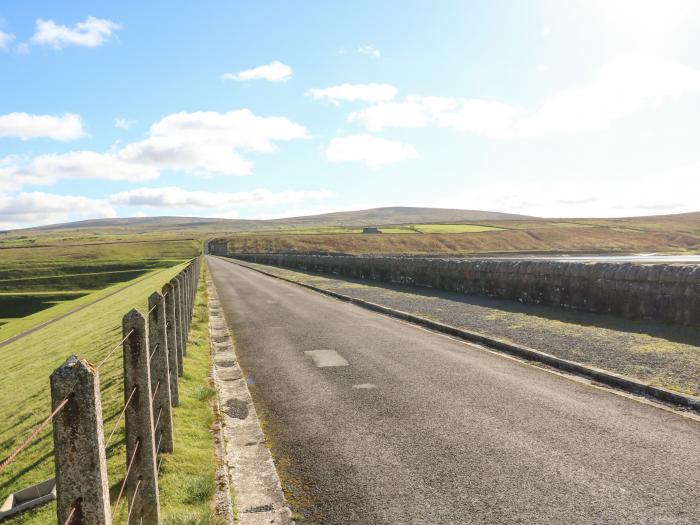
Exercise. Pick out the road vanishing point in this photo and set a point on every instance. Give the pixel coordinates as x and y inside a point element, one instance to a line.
<point>374,420</point>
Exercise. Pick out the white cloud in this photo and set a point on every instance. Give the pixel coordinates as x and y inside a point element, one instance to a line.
<point>198,143</point>
<point>25,126</point>
<point>210,142</point>
<point>369,49</point>
<point>28,209</point>
<point>5,40</point>
<point>273,72</point>
<point>376,152</point>
<point>372,93</point>
<point>92,32</point>
<point>654,192</point>
<point>123,123</point>
<point>623,87</point>
<point>174,197</point>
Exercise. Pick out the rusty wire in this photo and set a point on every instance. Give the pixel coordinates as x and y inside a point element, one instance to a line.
<point>133,498</point>
<point>155,349</point>
<point>155,391</point>
<point>115,348</point>
<point>126,477</point>
<point>34,434</point>
<point>160,411</point>
<point>121,414</point>
<point>70,516</point>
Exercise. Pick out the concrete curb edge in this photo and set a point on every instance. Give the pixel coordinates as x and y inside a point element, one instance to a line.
<point>627,384</point>
<point>257,490</point>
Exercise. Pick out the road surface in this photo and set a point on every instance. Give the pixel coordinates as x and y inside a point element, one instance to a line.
<point>420,428</point>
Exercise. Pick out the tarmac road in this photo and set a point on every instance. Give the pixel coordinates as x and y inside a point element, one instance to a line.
<point>420,428</point>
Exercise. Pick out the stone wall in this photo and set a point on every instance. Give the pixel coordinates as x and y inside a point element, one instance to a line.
<point>662,292</point>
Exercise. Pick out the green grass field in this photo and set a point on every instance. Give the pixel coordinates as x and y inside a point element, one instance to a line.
<point>188,474</point>
<point>38,283</point>
<point>455,228</point>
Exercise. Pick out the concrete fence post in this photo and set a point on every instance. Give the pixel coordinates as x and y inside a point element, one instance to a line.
<point>82,490</point>
<point>142,479</point>
<point>188,285</point>
<point>182,314</point>
<point>171,335</point>
<point>160,374</point>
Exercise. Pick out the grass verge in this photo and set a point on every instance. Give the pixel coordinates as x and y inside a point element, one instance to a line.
<point>187,474</point>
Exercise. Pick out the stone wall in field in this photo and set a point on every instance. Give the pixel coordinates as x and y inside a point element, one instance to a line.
<point>663,292</point>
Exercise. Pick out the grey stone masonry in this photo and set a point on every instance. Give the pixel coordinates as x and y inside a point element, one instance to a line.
<point>160,374</point>
<point>171,335</point>
<point>664,292</point>
<point>142,478</point>
<point>79,448</point>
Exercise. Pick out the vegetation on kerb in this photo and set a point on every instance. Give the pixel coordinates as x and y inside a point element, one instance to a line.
<point>188,475</point>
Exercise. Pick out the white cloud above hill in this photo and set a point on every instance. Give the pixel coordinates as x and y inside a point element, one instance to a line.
<point>273,72</point>
<point>198,143</point>
<point>372,93</point>
<point>5,40</point>
<point>623,87</point>
<point>174,197</point>
<point>375,152</point>
<point>25,126</point>
<point>92,32</point>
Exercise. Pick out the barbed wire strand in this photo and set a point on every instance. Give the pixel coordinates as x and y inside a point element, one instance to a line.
<point>160,411</point>
<point>121,415</point>
<point>131,505</point>
<point>70,516</point>
<point>155,349</point>
<point>126,477</point>
<point>34,434</point>
<point>152,308</point>
<point>115,348</point>
<point>155,391</point>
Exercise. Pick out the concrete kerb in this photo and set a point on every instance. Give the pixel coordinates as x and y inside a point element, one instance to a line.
<point>251,470</point>
<point>611,379</point>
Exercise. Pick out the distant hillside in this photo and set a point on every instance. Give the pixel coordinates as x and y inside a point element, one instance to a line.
<point>371,217</point>
<point>398,215</point>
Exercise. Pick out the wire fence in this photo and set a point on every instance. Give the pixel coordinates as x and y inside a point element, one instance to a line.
<point>153,346</point>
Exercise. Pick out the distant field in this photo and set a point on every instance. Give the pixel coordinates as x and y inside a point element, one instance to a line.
<point>664,234</point>
<point>40,281</point>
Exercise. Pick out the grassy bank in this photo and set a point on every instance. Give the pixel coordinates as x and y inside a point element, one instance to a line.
<point>91,333</point>
<point>188,476</point>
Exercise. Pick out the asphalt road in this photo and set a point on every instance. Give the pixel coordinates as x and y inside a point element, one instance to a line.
<point>421,428</point>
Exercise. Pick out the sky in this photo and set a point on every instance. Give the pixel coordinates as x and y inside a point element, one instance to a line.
<point>266,109</point>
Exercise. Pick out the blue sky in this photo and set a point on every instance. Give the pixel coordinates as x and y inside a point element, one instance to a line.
<point>269,109</point>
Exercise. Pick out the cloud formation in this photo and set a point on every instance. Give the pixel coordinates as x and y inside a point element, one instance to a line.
<point>369,49</point>
<point>123,123</point>
<point>32,208</point>
<point>5,40</point>
<point>371,93</point>
<point>375,152</point>
<point>198,143</point>
<point>92,32</point>
<point>621,88</point>
<point>25,126</point>
<point>45,208</point>
<point>174,197</point>
<point>272,72</point>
